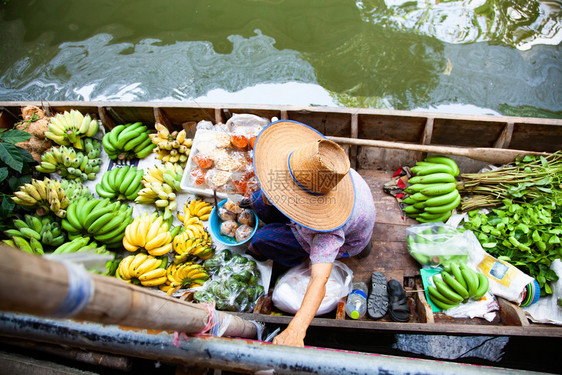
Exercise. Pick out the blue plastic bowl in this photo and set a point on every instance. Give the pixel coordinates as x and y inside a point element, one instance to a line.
<point>215,226</point>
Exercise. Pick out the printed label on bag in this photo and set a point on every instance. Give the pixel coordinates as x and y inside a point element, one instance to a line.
<point>502,272</point>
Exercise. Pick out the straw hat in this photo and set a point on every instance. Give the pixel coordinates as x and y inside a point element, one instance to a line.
<point>304,175</point>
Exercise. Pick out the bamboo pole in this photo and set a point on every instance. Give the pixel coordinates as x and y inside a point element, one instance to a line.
<point>34,285</point>
<point>487,154</point>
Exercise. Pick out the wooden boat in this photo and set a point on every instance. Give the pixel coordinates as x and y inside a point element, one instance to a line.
<point>403,136</point>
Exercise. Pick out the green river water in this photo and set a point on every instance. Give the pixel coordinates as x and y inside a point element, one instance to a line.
<point>472,56</point>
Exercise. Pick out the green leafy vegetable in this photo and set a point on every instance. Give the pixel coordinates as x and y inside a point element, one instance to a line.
<point>525,234</point>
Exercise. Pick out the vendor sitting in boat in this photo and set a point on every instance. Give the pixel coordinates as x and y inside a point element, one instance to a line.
<point>315,207</point>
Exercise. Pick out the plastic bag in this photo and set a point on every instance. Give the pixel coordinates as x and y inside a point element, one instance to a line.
<point>235,282</point>
<point>291,287</point>
<point>433,244</point>
<point>505,279</point>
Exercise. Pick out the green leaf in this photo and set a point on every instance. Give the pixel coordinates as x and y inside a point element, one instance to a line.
<point>15,136</point>
<point>541,279</point>
<point>16,182</point>
<point>10,155</point>
<point>489,245</point>
<point>547,289</point>
<point>7,203</point>
<point>3,173</point>
<point>26,155</point>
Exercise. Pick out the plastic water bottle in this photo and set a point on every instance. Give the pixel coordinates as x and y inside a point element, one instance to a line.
<point>356,305</point>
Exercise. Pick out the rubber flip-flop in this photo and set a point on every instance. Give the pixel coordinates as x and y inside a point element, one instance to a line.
<point>377,304</point>
<point>399,310</point>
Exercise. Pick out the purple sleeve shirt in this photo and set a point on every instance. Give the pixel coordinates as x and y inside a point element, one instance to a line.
<point>351,239</point>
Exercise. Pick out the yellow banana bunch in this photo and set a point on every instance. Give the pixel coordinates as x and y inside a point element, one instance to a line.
<point>171,147</point>
<point>44,195</point>
<point>69,127</point>
<point>160,186</point>
<point>146,269</point>
<point>187,248</point>
<point>196,208</point>
<point>186,275</point>
<point>149,232</point>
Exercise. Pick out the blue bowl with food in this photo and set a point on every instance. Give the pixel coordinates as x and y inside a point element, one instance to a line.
<point>232,225</point>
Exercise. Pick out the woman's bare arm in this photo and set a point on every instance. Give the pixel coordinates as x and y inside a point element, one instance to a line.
<point>295,332</point>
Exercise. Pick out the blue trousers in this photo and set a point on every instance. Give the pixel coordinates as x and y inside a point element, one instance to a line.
<point>275,240</point>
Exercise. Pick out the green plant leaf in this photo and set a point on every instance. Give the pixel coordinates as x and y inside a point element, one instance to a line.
<point>7,203</point>
<point>16,182</point>
<point>26,155</point>
<point>15,136</point>
<point>10,155</point>
<point>3,173</point>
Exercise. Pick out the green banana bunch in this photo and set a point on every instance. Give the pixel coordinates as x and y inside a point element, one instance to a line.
<point>433,193</point>
<point>128,141</point>
<point>77,244</point>
<point>31,246</point>
<point>74,189</point>
<point>70,127</point>
<point>122,183</point>
<point>44,195</point>
<point>45,230</point>
<point>457,286</point>
<point>98,218</point>
<point>72,164</point>
<point>160,186</point>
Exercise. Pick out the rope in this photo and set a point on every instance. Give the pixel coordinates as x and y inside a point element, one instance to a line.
<point>80,291</point>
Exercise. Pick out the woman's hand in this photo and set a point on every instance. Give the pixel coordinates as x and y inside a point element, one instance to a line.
<point>290,337</point>
<point>315,292</point>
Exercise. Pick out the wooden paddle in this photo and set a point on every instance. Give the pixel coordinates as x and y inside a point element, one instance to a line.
<point>487,154</point>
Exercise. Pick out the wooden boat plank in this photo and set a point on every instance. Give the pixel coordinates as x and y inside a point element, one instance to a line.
<point>484,328</point>
<point>392,128</point>
<point>326,123</point>
<point>536,137</point>
<point>504,139</point>
<point>462,132</point>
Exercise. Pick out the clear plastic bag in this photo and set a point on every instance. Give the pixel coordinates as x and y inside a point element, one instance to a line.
<point>235,283</point>
<point>291,287</point>
<point>434,244</point>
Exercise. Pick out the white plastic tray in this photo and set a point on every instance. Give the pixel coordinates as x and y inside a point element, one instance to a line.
<point>201,137</point>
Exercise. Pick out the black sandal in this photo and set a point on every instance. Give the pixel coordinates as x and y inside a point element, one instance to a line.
<point>399,310</point>
<point>377,304</point>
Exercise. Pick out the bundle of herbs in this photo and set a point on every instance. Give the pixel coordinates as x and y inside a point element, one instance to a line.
<point>532,179</point>
<point>524,226</point>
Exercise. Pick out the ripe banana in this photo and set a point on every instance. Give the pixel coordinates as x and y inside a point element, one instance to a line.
<point>171,147</point>
<point>149,233</point>
<point>52,197</point>
<point>70,127</point>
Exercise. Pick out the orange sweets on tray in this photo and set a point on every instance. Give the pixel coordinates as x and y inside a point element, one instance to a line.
<point>222,161</point>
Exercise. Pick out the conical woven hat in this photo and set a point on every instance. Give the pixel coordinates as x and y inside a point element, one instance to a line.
<point>304,175</point>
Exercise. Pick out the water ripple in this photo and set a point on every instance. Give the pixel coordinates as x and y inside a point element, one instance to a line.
<point>150,69</point>
<point>517,23</point>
